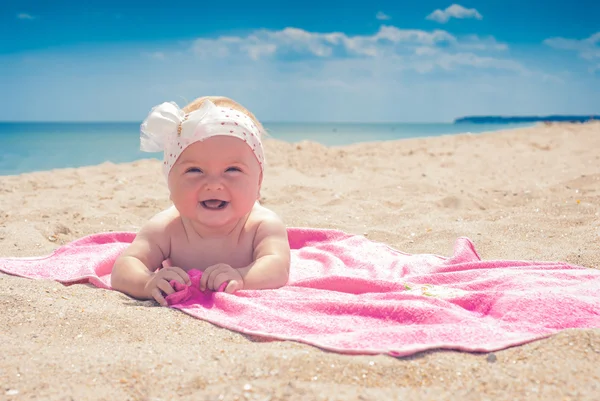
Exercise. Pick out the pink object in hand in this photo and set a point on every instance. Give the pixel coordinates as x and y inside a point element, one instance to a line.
<point>186,292</point>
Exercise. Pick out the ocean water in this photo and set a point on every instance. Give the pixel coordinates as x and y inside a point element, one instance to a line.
<point>27,147</point>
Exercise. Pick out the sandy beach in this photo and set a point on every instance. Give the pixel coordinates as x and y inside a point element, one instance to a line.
<point>531,193</point>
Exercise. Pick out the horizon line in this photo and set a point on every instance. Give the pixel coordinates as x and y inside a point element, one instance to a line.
<point>456,120</point>
<point>263,122</point>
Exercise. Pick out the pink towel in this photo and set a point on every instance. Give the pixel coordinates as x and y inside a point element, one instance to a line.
<point>349,294</point>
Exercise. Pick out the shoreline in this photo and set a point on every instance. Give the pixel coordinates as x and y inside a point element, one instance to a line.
<point>312,142</point>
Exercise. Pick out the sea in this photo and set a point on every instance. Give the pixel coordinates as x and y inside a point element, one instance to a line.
<point>37,146</point>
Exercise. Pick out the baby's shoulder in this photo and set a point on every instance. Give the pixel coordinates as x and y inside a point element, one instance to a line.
<point>262,218</point>
<point>260,214</point>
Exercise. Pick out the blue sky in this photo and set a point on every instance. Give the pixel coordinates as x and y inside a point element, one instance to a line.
<point>372,61</point>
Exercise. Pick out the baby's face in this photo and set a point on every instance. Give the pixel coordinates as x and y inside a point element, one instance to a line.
<point>215,182</point>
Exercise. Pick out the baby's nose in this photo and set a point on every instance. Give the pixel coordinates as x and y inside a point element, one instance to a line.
<point>214,184</point>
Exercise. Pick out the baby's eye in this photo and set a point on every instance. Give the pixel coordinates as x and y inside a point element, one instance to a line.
<point>233,169</point>
<point>193,170</point>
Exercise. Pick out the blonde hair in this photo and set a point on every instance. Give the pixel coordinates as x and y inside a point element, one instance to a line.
<point>223,101</point>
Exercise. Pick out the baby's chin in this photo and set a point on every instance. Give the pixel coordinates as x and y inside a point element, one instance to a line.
<point>216,215</point>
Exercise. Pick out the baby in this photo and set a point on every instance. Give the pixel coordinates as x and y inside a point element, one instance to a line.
<point>213,164</point>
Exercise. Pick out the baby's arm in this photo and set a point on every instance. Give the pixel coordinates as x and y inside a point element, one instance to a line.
<point>134,268</point>
<point>271,266</point>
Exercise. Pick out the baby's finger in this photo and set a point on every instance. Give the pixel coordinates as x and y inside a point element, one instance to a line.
<point>165,287</point>
<point>233,286</point>
<point>169,275</point>
<point>206,275</point>
<point>210,282</point>
<point>158,297</point>
<point>182,273</point>
<point>218,278</point>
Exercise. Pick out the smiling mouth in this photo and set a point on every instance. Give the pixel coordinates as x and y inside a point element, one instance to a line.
<point>214,204</point>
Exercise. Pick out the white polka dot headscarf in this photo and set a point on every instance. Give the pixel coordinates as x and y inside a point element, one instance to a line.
<point>168,128</point>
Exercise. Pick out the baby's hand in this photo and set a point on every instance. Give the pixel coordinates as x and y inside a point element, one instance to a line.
<point>215,275</point>
<point>160,282</point>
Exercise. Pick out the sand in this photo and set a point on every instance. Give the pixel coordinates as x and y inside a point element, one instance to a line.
<point>530,194</point>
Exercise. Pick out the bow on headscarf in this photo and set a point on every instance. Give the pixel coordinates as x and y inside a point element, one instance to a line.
<point>167,119</point>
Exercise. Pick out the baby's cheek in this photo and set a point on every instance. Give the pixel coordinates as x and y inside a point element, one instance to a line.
<point>247,193</point>
<point>189,185</point>
<point>184,192</point>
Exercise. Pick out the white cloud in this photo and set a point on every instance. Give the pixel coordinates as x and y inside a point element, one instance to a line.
<point>382,16</point>
<point>453,11</point>
<point>588,48</point>
<point>426,51</point>
<point>302,68</point>
<point>25,16</point>
<point>474,42</point>
<point>259,50</point>
<point>418,49</point>
<point>450,61</point>
<point>396,35</point>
